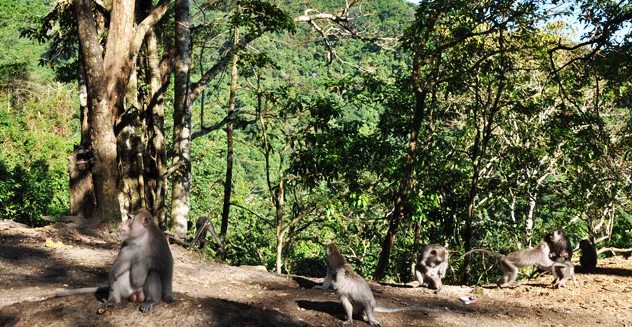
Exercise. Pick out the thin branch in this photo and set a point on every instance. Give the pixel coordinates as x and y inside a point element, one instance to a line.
<point>216,126</point>
<point>141,30</point>
<point>264,219</point>
<point>613,250</point>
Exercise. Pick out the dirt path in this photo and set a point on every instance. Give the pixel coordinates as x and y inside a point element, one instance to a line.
<point>35,262</point>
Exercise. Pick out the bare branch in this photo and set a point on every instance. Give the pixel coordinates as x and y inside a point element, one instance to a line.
<point>613,250</point>
<point>216,126</point>
<point>141,30</point>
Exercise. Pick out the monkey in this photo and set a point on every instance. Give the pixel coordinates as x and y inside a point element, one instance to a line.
<point>563,270</point>
<point>147,257</point>
<point>201,230</point>
<point>559,246</point>
<point>510,263</point>
<point>142,271</point>
<point>432,267</point>
<point>334,260</point>
<point>588,259</point>
<point>356,296</point>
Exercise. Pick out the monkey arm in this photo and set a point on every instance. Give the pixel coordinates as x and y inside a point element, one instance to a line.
<point>442,269</point>
<point>327,282</point>
<point>123,261</point>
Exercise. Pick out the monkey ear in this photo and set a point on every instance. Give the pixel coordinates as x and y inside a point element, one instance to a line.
<point>130,215</point>
<point>146,220</point>
<point>346,272</point>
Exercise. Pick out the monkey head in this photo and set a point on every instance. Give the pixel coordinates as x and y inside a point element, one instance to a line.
<point>331,248</point>
<point>555,236</point>
<point>340,276</point>
<point>585,245</point>
<point>136,224</point>
<point>544,247</point>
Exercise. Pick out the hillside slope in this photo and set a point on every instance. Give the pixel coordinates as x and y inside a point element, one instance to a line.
<point>36,261</point>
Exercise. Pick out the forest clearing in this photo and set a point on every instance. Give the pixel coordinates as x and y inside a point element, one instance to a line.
<point>298,146</point>
<point>37,261</point>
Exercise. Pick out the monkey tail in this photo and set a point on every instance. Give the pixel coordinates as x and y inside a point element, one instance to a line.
<point>497,255</point>
<point>406,308</point>
<point>85,290</point>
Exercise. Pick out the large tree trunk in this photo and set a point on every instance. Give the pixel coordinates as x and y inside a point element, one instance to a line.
<point>130,144</point>
<point>228,183</point>
<point>156,158</point>
<point>107,78</point>
<point>101,115</point>
<point>182,122</point>
<point>80,163</point>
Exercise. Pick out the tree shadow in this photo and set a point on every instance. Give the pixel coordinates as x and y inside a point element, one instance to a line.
<point>231,313</point>
<point>393,285</point>
<point>331,308</point>
<point>304,282</point>
<point>607,271</point>
<point>50,269</point>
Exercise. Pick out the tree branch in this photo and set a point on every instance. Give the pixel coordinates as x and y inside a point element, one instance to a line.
<point>216,126</point>
<point>141,30</point>
<point>613,250</point>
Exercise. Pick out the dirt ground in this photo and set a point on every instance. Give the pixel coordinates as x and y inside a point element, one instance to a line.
<point>36,261</point>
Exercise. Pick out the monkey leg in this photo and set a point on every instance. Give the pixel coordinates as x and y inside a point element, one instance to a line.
<point>166,280</point>
<point>348,308</point>
<point>510,272</point>
<point>437,284</point>
<point>562,283</point>
<point>574,281</point>
<point>153,292</point>
<point>420,278</point>
<point>368,311</point>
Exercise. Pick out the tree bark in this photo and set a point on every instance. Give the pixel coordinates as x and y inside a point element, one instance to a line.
<point>80,163</point>
<point>107,77</point>
<point>181,185</point>
<point>101,115</point>
<point>228,183</point>
<point>156,158</point>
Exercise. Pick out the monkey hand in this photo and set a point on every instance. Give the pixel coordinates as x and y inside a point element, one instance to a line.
<point>104,306</point>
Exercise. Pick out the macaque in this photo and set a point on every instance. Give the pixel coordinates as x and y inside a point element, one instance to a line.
<point>562,271</point>
<point>143,269</point>
<point>201,230</point>
<point>560,247</point>
<point>146,255</point>
<point>334,260</point>
<point>512,262</point>
<point>588,259</point>
<point>432,267</point>
<point>356,296</point>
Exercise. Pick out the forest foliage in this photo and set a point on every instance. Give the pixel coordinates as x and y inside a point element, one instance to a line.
<point>526,126</point>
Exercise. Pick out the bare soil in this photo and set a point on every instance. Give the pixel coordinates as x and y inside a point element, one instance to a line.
<point>34,262</point>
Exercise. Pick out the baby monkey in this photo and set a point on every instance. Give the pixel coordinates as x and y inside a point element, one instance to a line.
<point>563,270</point>
<point>334,260</point>
<point>432,267</point>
